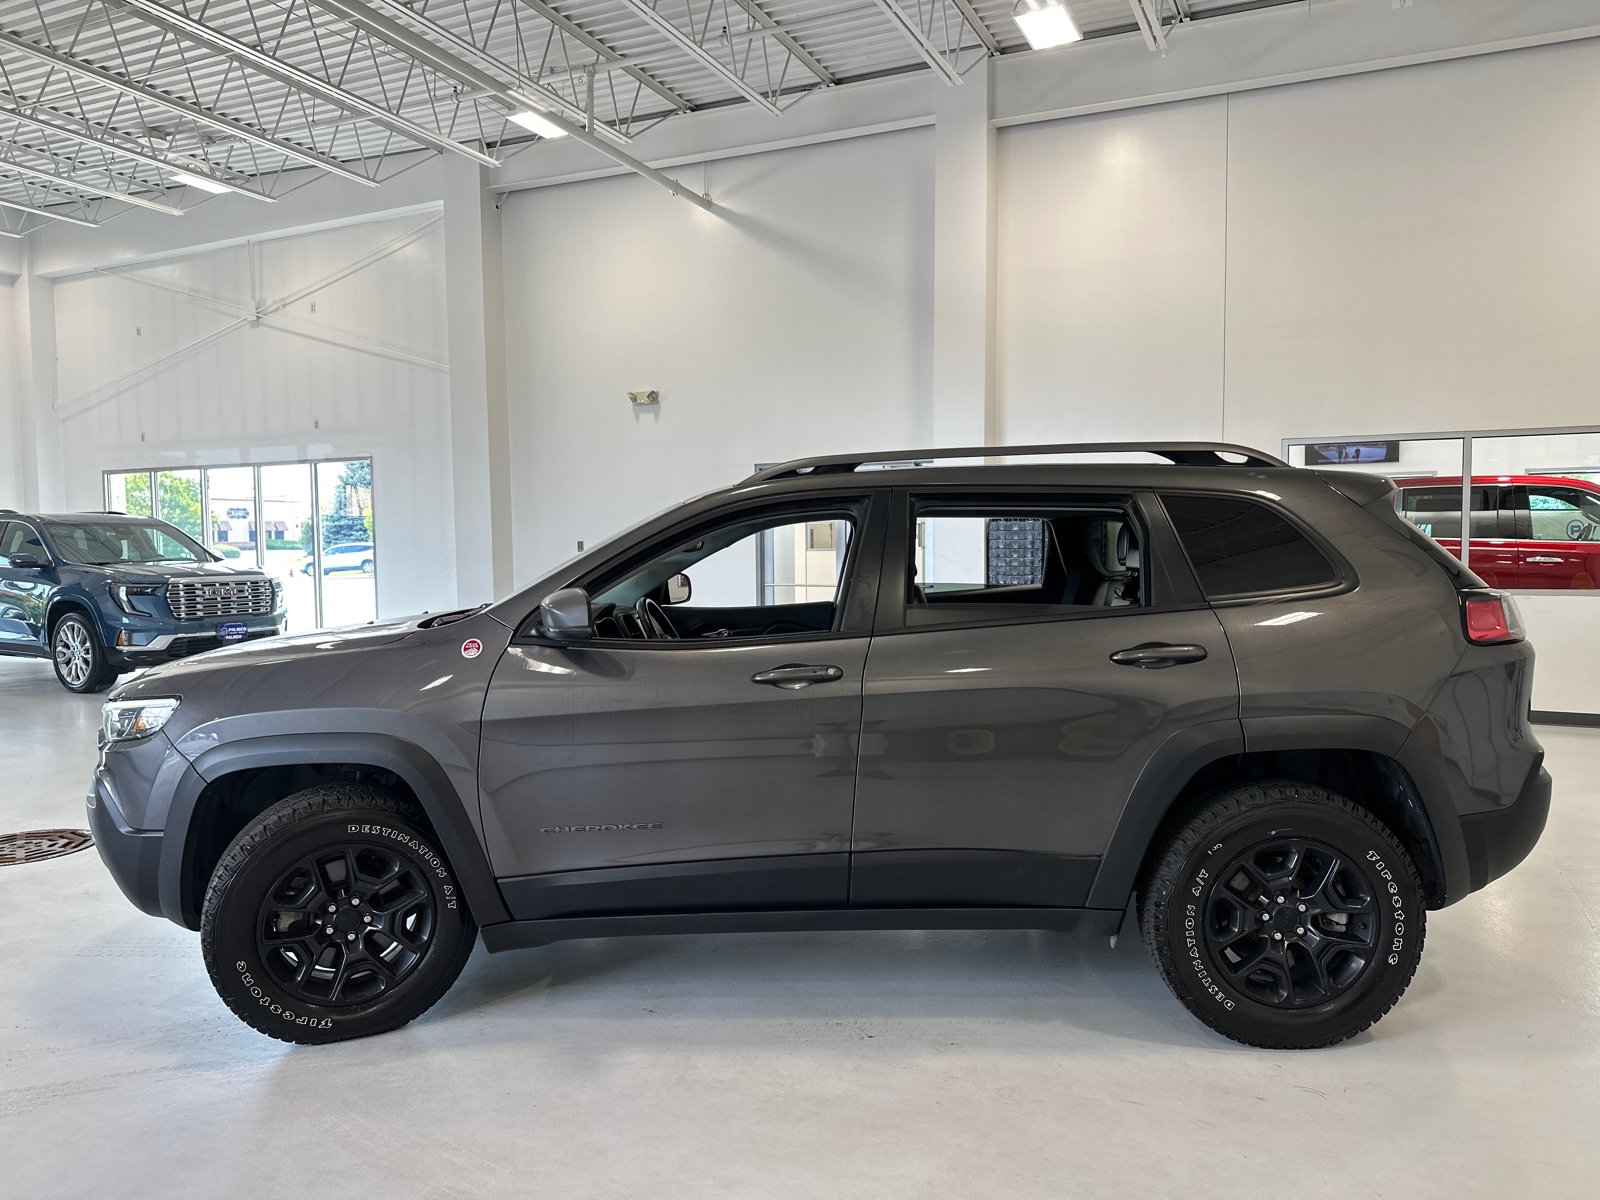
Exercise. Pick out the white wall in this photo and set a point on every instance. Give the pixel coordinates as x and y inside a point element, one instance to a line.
<point>1111,274</point>
<point>10,397</point>
<point>364,374</point>
<point>798,324</point>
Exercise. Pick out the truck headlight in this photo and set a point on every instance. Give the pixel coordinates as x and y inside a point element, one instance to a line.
<point>128,720</point>
<point>122,592</point>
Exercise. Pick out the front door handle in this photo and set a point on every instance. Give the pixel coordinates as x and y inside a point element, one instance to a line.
<point>1155,655</point>
<point>1543,558</point>
<point>795,676</point>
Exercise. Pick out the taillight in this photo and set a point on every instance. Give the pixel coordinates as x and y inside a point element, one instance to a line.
<point>1491,618</point>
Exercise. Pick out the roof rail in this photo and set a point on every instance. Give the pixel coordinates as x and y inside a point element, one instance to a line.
<point>1188,454</point>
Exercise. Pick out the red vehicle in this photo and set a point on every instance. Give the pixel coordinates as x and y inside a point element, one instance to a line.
<point>1528,531</point>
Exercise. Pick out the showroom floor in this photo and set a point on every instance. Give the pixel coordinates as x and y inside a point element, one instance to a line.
<point>785,1065</point>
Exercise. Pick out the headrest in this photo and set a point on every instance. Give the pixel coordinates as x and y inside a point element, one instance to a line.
<point>1110,547</point>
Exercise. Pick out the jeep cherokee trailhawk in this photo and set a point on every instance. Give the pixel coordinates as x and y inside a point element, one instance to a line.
<point>836,696</point>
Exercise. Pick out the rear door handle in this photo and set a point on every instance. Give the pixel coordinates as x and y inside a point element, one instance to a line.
<point>795,676</point>
<point>1155,655</point>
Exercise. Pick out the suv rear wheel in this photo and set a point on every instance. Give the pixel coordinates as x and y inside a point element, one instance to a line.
<point>79,657</point>
<point>334,916</point>
<point>1284,916</point>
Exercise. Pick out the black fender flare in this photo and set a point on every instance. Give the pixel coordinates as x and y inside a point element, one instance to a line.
<point>1175,762</point>
<point>443,805</point>
<point>1380,735</point>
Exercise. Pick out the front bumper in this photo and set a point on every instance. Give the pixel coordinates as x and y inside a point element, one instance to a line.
<point>133,856</point>
<point>169,646</point>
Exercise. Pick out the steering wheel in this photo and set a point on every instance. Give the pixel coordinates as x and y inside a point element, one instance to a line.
<point>656,618</point>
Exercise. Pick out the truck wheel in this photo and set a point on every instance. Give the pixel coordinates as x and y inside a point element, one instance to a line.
<point>1283,916</point>
<point>79,657</point>
<point>334,915</point>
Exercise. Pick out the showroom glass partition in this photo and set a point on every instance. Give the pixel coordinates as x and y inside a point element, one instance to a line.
<point>1533,496</point>
<point>308,523</point>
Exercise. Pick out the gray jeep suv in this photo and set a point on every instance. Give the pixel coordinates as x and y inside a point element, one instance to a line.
<point>842,697</point>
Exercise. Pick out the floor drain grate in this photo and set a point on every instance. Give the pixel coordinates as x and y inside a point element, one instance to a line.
<point>40,844</point>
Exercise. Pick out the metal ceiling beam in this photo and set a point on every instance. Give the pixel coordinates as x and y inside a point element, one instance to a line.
<point>45,212</point>
<point>912,32</point>
<point>786,40</point>
<point>203,116</point>
<point>1148,14</point>
<point>473,50</point>
<point>978,27</point>
<point>605,52</point>
<point>192,166</point>
<point>699,53</point>
<point>472,76</point>
<point>9,164</point>
<point>163,17</point>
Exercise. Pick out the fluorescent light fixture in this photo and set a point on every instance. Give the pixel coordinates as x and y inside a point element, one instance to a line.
<point>201,182</point>
<point>1044,23</point>
<point>538,123</point>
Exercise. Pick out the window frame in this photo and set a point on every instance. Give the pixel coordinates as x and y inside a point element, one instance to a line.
<point>853,605</point>
<point>1163,590</point>
<point>1344,580</point>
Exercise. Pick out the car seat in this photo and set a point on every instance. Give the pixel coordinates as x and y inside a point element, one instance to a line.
<point>1112,553</point>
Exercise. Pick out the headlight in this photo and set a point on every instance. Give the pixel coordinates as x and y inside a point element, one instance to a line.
<point>277,592</point>
<point>121,591</point>
<point>126,720</point>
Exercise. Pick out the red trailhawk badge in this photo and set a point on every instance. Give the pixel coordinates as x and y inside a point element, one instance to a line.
<point>471,648</point>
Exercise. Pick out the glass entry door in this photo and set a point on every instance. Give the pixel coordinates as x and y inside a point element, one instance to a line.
<point>307,523</point>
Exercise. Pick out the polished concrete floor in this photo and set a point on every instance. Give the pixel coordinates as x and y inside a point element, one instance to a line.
<point>881,1065</point>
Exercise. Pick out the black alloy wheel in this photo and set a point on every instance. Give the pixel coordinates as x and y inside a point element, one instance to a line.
<point>334,915</point>
<point>345,924</point>
<point>1283,915</point>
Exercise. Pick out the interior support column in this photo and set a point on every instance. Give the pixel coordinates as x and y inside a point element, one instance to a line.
<point>479,434</point>
<point>963,263</point>
<point>40,461</point>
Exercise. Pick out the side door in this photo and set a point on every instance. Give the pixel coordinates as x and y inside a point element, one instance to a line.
<point>24,591</point>
<point>1561,537</point>
<point>692,756</point>
<point>1032,654</point>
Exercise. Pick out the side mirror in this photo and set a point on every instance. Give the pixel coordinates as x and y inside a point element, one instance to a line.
<point>679,589</point>
<point>565,615</point>
<point>26,560</point>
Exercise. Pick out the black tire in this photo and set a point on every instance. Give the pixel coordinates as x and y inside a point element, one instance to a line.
<point>400,927</point>
<point>78,656</point>
<point>1334,966</point>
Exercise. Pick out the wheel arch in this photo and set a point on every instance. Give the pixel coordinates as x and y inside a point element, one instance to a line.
<point>231,784</point>
<point>1362,759</point>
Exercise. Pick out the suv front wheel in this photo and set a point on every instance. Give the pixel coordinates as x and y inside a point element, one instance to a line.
<point>333,916</point>
<point>79,658</point>
<point>1284,916</point>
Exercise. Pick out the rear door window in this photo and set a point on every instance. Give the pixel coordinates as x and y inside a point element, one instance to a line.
<point>977,564</point>
<point>1240,548</point>
<point>1437,511</point>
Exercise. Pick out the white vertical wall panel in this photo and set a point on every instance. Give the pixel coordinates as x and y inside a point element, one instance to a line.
<point>1416,249</point>
<point>11,445</point>
<point>795,321</point>
<point>1111,275</point>
<point>133,398</point>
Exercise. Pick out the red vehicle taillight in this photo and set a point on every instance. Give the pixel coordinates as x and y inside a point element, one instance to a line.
<point>1491,618</point>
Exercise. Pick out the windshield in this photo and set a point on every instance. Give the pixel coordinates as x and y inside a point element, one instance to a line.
<point>108,543</point>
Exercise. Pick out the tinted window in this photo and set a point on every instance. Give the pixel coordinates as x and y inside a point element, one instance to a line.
<point>107,543</point>
<point>1437,511</point>
<point>970,567</point>
<point>1239,548</point>
<point>17,538</point>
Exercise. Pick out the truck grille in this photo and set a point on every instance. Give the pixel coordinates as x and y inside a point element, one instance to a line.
<point>200,599</point>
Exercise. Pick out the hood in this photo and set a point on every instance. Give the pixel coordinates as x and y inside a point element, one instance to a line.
<point>159,680</point>
<point>158,573</point>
